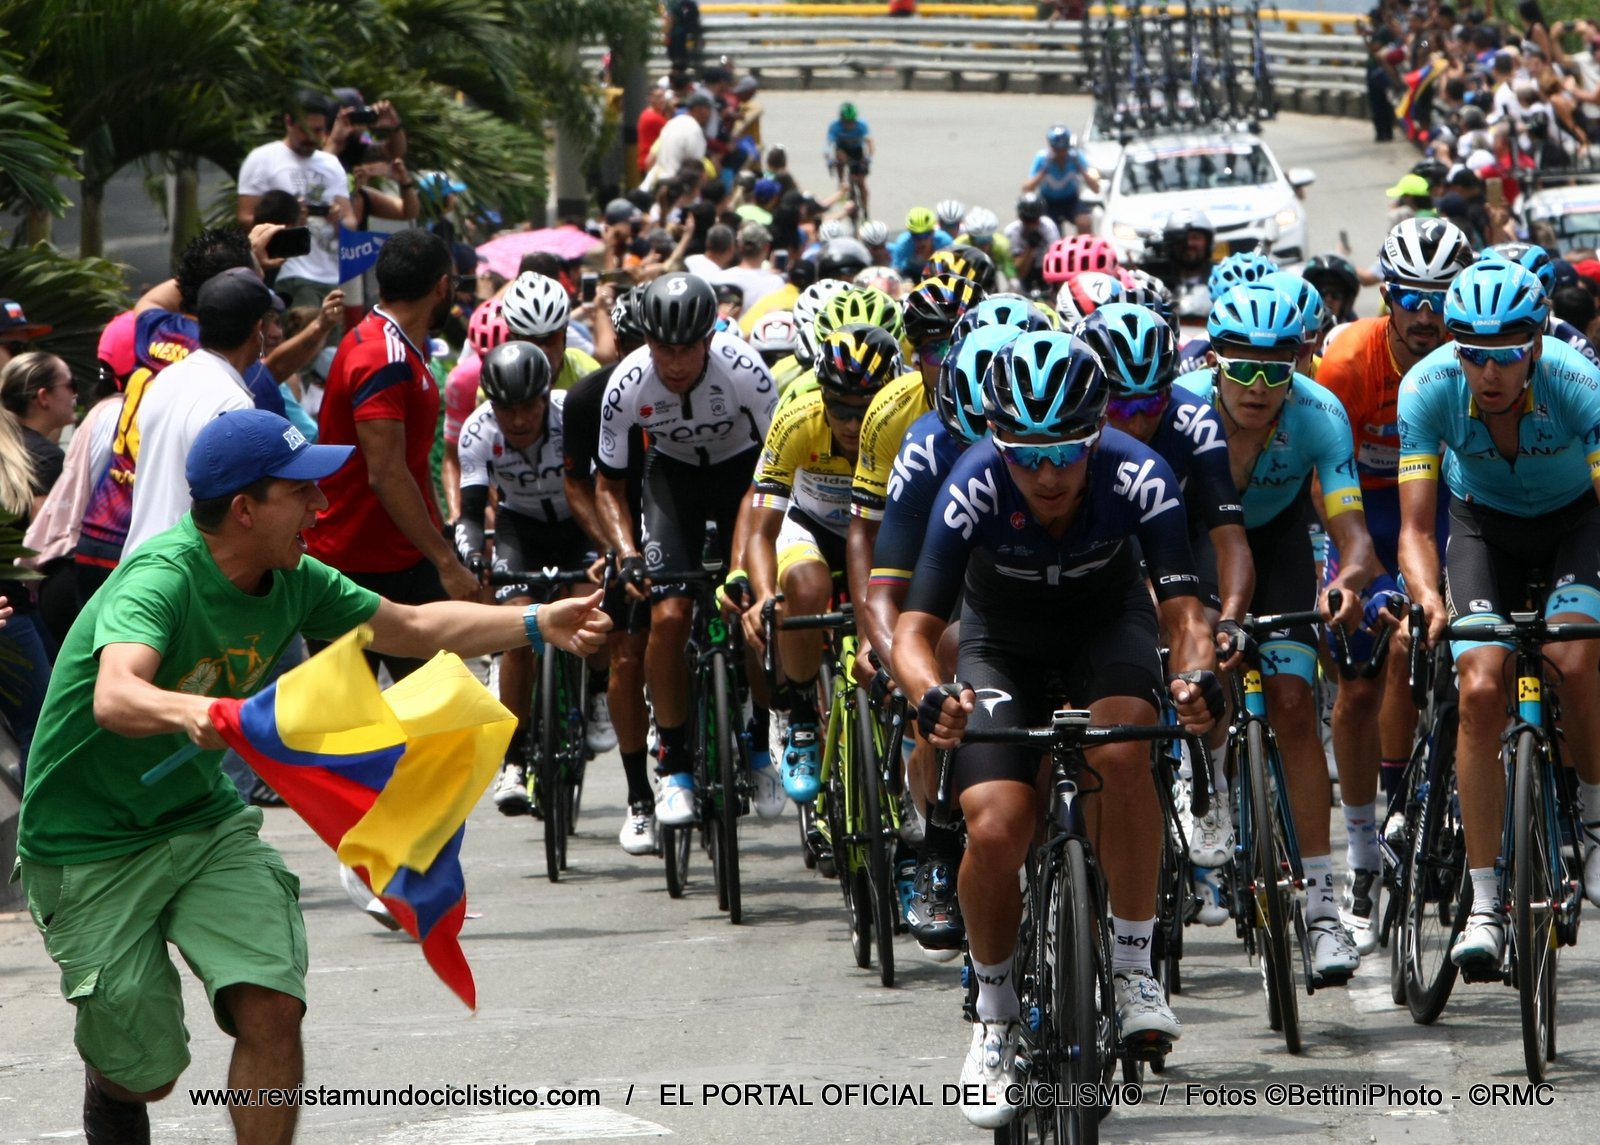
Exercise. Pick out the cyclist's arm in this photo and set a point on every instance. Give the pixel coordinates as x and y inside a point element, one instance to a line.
<point>1184,623</point>
<point>1357,564</point>
<point>1236,570</point>
<point>469,526</point>
<point>1419,547</point>
<point>876,625</point>
<point>585,508</point>
<point>611,503</point>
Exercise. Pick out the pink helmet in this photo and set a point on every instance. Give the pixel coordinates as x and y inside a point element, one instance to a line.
<point>1077,253</point>
<point>487,327</point>
<point>116,345</point>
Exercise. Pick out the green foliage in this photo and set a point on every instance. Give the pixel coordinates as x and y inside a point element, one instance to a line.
<point>34,151</point>
<point>76,296</point>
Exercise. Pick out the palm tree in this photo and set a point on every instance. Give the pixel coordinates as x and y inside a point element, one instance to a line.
<point>34,151</point>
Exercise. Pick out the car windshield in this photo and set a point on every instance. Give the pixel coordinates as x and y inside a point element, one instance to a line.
<point>1197,169</point>
<point>1579,230</point>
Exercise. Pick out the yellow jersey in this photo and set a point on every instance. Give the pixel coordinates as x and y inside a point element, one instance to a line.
<point>799,467</point>
<point>888,419</point>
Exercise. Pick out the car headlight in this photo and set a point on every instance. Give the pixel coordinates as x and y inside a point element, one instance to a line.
<point>1287,217</point>
<point>1125,232</point>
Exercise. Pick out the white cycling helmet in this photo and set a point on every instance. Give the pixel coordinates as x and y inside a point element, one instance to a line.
<point>535,306</point>
<point>873,233</point>
<point>885,278</point>
<point>833,229</point>
<point>806,308</point>
<point>949,212</point>
<point>1424,252</point>
<point>774,333</point>
<point>981,223</point>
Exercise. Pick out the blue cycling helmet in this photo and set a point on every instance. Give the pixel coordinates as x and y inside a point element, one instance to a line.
<point>958,397</point>
<point>1526,255</point>
<point>1495,297</point>
<point>1136,347</point>
<point>1246,266</point>
<point>1304,295</point>
<point>1059,136</point>
<point>1003,310</point>
<point>1046,385</point>
<point>1258,315</point>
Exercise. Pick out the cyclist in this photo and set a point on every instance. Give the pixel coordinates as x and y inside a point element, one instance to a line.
<point>927,454</point>
<point>1362,368</point>
<point>965,261</point>
<point>1336,280</point>
<point>1538,260</point>
<point>981,230</point>
<point>1059,174</point>
<point>537,310</point>
<point>1236,269</point>
<point>875,237</point>
<point>949,213</point>
<point>774,337</point>
<point>1518,414</point>
<point>849,152</point>
<point>915,245</point>
<point>843,259</point>
<point>1039,529</point>
<point>704,402</point>
<point>630,630</point>
<point>1084,293</point>
<point>852,306</point>
<point>1031,234</point>
<point>1282,428</point>
<point>512,445</point>
<point>798,519</point>
<point>1140,355</point>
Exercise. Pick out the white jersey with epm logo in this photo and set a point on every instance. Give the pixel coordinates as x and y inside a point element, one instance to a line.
<point>530,480</point>
<point>726,413</point>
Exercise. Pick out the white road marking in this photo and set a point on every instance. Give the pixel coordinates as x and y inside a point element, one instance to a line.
<point>529,1127</point>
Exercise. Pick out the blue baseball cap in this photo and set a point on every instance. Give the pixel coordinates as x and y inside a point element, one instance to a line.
<point>243,446</point>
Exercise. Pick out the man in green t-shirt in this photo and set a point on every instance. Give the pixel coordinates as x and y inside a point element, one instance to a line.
<point>115,869</point>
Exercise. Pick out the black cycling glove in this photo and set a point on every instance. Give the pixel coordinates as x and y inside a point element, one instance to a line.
<point>630,571</point>
<point>1238,640</point>
<point>932,706</point>
<point>1210,690</point>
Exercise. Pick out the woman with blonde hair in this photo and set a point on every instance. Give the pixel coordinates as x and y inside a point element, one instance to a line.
<point>24,662</point>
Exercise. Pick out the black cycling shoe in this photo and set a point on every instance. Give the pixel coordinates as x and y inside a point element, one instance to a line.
<point>934,914</point>
<point>107,1121</point>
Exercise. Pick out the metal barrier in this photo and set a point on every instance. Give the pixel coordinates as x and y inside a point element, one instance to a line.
<point>1314,73</point>
<point>1291,19</point>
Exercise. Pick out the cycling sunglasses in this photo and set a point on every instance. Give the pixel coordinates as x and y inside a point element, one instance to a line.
<point>1122,409</point>
<point>1248,371</point>
<point>1059,453</point>
<point>843,410</point>
<point>1499,355</point>
<point>933,352</point>
<point>1411,299</point>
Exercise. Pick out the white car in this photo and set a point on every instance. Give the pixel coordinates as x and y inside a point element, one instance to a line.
<point>1233,177</point>
<point>1571,214</point>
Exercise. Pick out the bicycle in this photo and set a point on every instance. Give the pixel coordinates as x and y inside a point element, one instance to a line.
<point>556,748</point>
<point>1266,98</point>
<point>1541,849</point>
<point>858,808</point>
<point>851,173</point>
<point>717,743</point>
<point>1063,954</point>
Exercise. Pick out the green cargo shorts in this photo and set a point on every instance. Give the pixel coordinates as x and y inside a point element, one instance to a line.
<point>220,895</point>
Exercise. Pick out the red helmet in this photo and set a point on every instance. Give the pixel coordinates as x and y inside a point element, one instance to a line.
<point>1077,253</point>
<point>487,327</point>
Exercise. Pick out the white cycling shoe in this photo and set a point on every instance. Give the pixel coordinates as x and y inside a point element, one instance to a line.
<point>990,1073</point>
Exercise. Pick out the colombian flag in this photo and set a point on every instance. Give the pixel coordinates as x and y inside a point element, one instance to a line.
<point>387,778</point>
<point>1417,100</point>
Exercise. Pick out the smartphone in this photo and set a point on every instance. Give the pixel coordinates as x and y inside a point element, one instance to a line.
<point>364,116</point>
<point>587,285</point>
<point>780,261</point>
<point>291,242</point>
<point>1494,193</point>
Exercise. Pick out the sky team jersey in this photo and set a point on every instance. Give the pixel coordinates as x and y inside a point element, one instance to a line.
<point>1573,337</point>
<point>1360,370</point>
<point>1190,438</point>
<point>728,412</point>
<point>1312,434</point>
<point>982,535</point>
<point>888,418</point>
<point>530,480</point>
<point>1558,451</point>
<point>799,470</point>
<point>927,455</point>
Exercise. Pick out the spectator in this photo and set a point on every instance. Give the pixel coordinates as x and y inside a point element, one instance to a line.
<point>296,388</point>
<point>298,164</point>
<point>746,129</point>
<point>370,202</point>
<point>764,196</point>
<point>16,331</point>
<point>802,273</point>
<point>657,110</point>
<point>681,29</point>
<point>682,141</point>
<point>232,311</point>
<point>382,527</point>
<point>37,390</point>
<point>24,660</point>
<point>750,275</point>
<point>1411,200</point>
<point>721,253</point>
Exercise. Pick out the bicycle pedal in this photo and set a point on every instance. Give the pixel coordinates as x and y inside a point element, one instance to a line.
<point>1151,1045</point>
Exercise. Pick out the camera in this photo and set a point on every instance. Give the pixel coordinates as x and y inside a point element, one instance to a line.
<point>318,210</point>
<point>364,116</point>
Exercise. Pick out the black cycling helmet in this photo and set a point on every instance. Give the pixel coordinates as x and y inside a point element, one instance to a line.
<point>842,258</point>
<point>625,315</point>
<point>678,309</point>
<point>935,305</point>
<point>857,361</point>
<point>1326,270</point>
<point>515,373</point>
<point>1030,207</point>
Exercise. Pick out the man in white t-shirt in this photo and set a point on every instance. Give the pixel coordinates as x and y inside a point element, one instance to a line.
<point>721,253</point>
<point>748,274</point>
<point>298,164</point>
<point>682,141</point>
<point>188,394</point>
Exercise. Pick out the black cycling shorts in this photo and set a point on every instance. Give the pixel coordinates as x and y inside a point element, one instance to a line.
<point>678,501</point>
<point>522,544</point>
<point>1492,557</point>
<point>1024,666</point>
<point>1286,581</point>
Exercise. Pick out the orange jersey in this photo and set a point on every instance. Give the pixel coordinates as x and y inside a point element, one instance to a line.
<point>1362,373</point>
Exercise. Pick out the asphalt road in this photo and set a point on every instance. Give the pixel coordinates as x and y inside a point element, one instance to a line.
<point>603,983</point>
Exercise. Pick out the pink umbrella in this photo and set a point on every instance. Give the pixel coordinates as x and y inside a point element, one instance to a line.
<point>503,254</point>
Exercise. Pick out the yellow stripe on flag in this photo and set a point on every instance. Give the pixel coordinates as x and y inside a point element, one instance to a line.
<point>331,704</point>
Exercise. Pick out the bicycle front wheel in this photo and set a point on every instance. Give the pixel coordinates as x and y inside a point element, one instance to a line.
<point>1272,908</point>
<point>726,778</point>
<point>1081,1000</point>
<point>869,778</point>
<point>1437,894</point>
<point>1534,850</point>
<point>552,790</point>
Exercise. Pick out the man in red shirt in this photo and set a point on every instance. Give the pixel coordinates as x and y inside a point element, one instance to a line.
<point>658,109</point>
<point>382,527</point>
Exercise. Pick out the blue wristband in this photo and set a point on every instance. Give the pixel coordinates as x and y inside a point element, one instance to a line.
<point>530,628</point>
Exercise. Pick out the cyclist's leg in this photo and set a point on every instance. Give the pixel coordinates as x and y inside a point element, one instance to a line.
<point>514,549</point>
<point>806,582</point>
<point>673,531</point>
